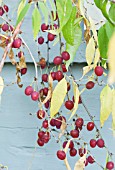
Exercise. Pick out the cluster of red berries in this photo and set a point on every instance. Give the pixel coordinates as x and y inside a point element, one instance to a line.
<point>29,91</point>
<point>3,9</point>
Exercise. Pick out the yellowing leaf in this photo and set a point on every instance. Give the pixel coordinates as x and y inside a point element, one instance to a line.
<point>97,56</point>
<point>58,96</point>
<point>86,69</point>
<point>106,104</point>
<point>90,51</point>
<point>20,7</point>
<point>111,58</point>
<point>65,160</point>
<point>62,128</point>
<point>76,98</point>
<point>1,85</point>
<point>80,164</point>
<point>113,112</point>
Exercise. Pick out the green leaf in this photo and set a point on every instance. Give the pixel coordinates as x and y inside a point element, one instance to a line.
<point>23,13</point>
<point>77,41</point>
<point>109,29</point>
<point>20,7</point>
<point>58,97</point>
<point>44,10</point>
<point>112,12</point>
<point>98,3</point>
<point>64,9</point>
<point>106,104</point>
<point>68,29</point>
<point>36,22</point>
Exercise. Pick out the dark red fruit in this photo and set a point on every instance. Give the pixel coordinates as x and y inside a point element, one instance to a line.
<point>53,74</point>
<point>74,133</point>
<point>69,104</point>
<point>40,142</point>
<point>90,160</point>
<point>40,40</point>
<point>51,37</point>
<point>17,43</point>
<point>82,151</point>
<point>45,77</point>
<point>47,104</point>
<point>20,54</point>
<point>40,134</point>
<point>44,27</point>
<point>6,9</point>
<point>100,143</point>
<point>93,143</point>
<point>64,68</point>
<point>61,155</point>
<point>23,71</point>
<point>90,85</point>
<point>65,55</point>
<point>1,11</point>
<point>55,26</point>
<point>40,114</point>
<point>45,124</point>
<point>98,71</point>
<point>73,152</point>
<point>11,28</point>
<point>57,60</point>
<point>71,145</point>
<point>28,90</point>
<point>5,27</point>
<point>45,91</point>
<point>79,122</point>
<point>52,122</point>
<point>86,162</point>
<point>110,165</point>
<point>34,95</point>
<point>59,75</point>
<point>90,126</point>
<point>46,137</point>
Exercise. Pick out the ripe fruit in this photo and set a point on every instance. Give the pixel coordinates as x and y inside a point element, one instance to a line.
<point>28,90</point>
<point>53,74</point>
<point>74,133</point>
<point>65,55</point>
<point>51,37</point>
<point>73,152</point>
<point>40,114</point>
<point>79,122</point>
<point>90,159</point>
<point>17,43</point>
<point>1,11</point>
<point>45,91</point>
<point>61,155</point>
<point>34,95</point>
<point>47,104</point>
<point>71,145</point>
<point>86,162</point>
<point>64,68</point>
<point>59,75</point>
<point>45,124</point>
<point>20,54</point>
<point>90,126</point>
<point>40,40</point>
<point>40,142</point>
<point>44,27</point>
<point>55,26</point>
<point>57,60</point>
<point>110,165</point>
<point>90,85</point>
<point>52,122</point>
<point>45,77</point>
<point>82,151</point>
<point>5,27</point>
<point>40,134</point>
<point>69,104</point>
<point>46,137</point>
<point>23,71</point>
<point>100,143</point>
<point>98,71</point>
<point>93,143</point>
<point>11,28</point>
<point>6,9</point>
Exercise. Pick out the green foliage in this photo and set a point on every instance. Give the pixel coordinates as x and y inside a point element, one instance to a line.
<point>112,12</point>
<point>44,10</point>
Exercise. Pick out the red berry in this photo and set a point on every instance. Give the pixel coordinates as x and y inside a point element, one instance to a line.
<point>40,114</point>
<point>53,74</point>
<point>90,126</point>
<point>90,85</point>
<point>40,40</point>
<point>55,26</point>
<point>73,152</point>
<point>47,104</point>
<point>17,43</point>
<point>11,28</point>
<point>6,8</point>
<point>65,55</point>
<point>40,134</point>
<point>46,137</point>
<point>69,104</point>
<point>82,151</point>
<point>23,71</point>
<point>45,91</point>
<point>74,133</point>
<point>90,160</point>
<point>86,162</point>
<point>59,75</point>
<point>5,27</point>
<point>51,37</point>
<point>40,142</point>
<point>110,165</point>
<point>93,143</point>
<point>52,122</point>
<point>45,124</point>
<point>45,77</point>
<point>98,71</point>
<point>57,60</point>
<point>1,11</point>
<point>61,155</point>
<point>64,68</point>
<point>28,90</point>
<point>100,143</point>
<point>79,122</point>
<point>44,27</point>
<point>20,54</point>
<point>34,95</point>
<point>71,145</point>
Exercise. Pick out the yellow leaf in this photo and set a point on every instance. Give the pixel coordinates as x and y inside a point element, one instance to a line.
<point>90,51</point>
<point>106,104</point>
<point>1,85</point>
<point>113,112</point>
<point>58,96</point>
<point>80,164</point>
<point>86,69</point>
<point>97,56</point>
<point>111,59</point>
<point>62,128</point>
<point>76,98</point>
<point>20,7</point>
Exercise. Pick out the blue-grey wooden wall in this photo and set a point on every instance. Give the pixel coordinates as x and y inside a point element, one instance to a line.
<point>18,130</point>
